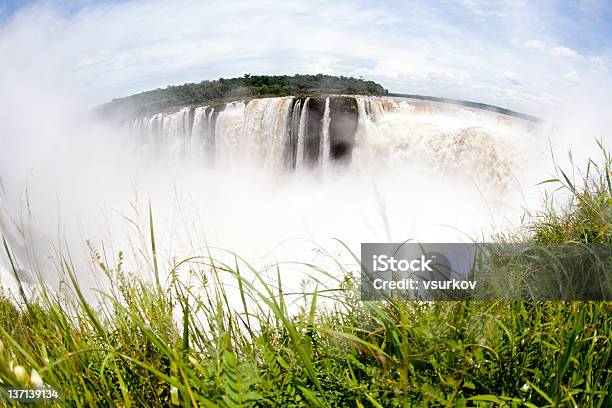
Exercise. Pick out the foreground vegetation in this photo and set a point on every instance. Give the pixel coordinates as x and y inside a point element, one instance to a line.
<point>161,344</point>
<point>248,86</point>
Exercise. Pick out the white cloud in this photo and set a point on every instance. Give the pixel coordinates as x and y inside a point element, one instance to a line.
<point>536,44</point>
<point>572,76</point>
<point>326,65</point>
<point>564,52</point>
<point>511,77</point>
<point>106,51</point>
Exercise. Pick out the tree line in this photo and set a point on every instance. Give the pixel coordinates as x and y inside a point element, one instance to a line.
<point>248,86</point>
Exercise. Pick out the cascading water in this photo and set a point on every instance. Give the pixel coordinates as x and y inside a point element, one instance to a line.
<point>228,131</point>
<point>294,133</point>
<point>245,176</point>
<point>325,144</point>
<point>301,135</point>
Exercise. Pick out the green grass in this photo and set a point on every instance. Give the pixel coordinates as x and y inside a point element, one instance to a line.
<point>156,343</point>
<point>587,217</point>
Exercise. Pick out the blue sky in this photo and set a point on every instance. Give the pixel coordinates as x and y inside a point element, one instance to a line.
<point>525,55</point>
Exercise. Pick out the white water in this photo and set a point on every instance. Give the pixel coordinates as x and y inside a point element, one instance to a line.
<point>229,130</point>
<point>419,170</point>
<point>482,145</point>
<point>302,134</point>
<point>325,145</point>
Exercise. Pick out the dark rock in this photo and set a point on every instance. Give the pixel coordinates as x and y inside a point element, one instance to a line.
<point>342,127</point>
<point>314,131</point>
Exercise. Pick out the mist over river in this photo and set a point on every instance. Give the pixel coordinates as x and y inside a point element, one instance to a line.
<point>272,180</point>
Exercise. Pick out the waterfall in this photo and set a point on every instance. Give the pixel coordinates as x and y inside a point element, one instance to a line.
<point>293,128</point>
<point>202,144</point>
<point>199,130</point>
<point>228,131</point>
<point>445,153</point>
<point>264,130</point>
<point>301,137</point>
<point>209,140</point>
<point>279,120</point>
<point>176,132</point>
<point>310,133</point>
<point>325,145</point>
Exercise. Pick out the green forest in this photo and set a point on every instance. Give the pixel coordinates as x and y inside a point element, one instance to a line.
<point>248,86</point>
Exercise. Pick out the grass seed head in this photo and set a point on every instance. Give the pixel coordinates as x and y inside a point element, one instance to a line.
<point>21,374</point>
<point>35,379</point>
